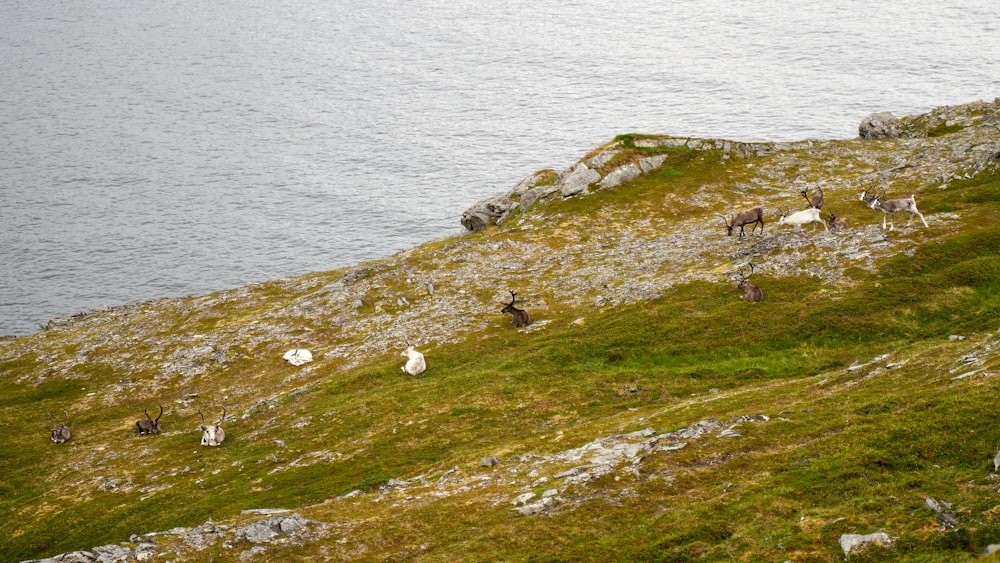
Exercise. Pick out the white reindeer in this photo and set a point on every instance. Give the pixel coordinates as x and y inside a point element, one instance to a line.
<point>804,217</point>
<point>212,434</point>
<point>415,365</point>
<point>890,207</point>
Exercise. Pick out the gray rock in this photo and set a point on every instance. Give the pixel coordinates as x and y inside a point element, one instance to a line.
<point>991,549</point>
<point>577,180</point>
<point>850,542</point>
<point>881,125</point>
<point>112,554</point>
<point>266,531</point>
<point>620,175</point>
<point>650,163</point>
<point>529,197</point>
<point>487,212</point>
<point>489,461</point>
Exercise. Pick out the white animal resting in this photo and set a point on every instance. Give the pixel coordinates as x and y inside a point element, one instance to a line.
<point>804,217</point>
<point>416,364</point>
<point>212,434</point>
<point>298,356</point>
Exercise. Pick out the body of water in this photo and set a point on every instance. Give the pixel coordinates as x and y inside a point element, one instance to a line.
<point>178,147</point>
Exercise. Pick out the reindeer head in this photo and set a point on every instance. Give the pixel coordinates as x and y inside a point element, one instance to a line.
<point>212,434</point>
<point>60,432</point>
<point>730,223</point>
<point>518,317</point>
<point>149,426</point>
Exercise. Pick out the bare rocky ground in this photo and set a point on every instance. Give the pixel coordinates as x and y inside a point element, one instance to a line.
<point>444,290</point>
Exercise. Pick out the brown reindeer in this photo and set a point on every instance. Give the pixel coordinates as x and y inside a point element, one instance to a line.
<point>149,426</point>
<point>744,218</point>
<point>60,432</point>
<point>836,222</point>
<point>752,293</point>
<point>816,199</point>
<point>518,317</point>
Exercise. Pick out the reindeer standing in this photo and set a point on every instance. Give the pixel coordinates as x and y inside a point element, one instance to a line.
<point>60,432</point>
<point>816,200</point>
<point>212,434</point>
<point>753,216</point>
<point>149,426</point>
<point>518,317</point>
<point>889,207</point>
<point>752,293</point>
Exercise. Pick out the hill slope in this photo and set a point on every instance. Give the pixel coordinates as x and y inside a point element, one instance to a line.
<point>648,413</point>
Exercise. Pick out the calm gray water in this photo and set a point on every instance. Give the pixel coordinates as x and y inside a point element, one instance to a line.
<point>175,147</point>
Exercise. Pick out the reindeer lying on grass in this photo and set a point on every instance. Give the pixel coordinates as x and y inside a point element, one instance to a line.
<point>751,292</point>
<point>415,365</point>
<point>212,434</point>
<point>836,222</point>
<point>60,432</point>
<point>149,426</point>
<point>518,317</point>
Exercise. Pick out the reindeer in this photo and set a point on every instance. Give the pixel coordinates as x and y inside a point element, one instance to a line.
<point>212,434</point>
<point>415,365</point>
<point>752,293</point>
<point>744,218</point>
<point>836,222</point>
<point>149,426</point>
<point>518,317</point>
<point>60,432</point>
<point>816,200</point>
<point>800,218</point>
<point>889,207</point>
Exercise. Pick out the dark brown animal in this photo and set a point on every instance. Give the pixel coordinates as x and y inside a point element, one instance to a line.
<point>60,432</point>
<point>816,200</point>
<point>752,293</point>
<point>149,426</point>
<point>518,317</point>
<point>744,218</point>
<point>836,222</point>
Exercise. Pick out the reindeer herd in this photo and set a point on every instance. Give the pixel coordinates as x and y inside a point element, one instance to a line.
<point>213,434</point>
<point>874,199</point>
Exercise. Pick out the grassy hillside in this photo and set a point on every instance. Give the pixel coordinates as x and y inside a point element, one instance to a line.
<point>873,357</point>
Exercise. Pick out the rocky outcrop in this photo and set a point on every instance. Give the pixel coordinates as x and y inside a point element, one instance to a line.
<point>602,172</point>
<point>881,125</point>
<point>290,528</point>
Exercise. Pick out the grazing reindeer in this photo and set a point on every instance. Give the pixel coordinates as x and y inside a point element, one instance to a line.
<point>836,222</point>
<point>415,365</point>
<point>800,218</point>
<point>149,426</point>
<point>752,293</point>
<point>60,432</point>
<point>212,434</point>
<point>890,207</point>
<point>518,317</point>
<point>744,218</point>
<point>816,200</point>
